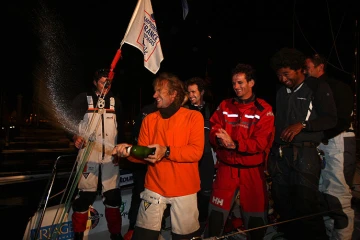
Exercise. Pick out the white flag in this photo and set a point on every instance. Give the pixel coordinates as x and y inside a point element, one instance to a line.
<point>142,34</point>
<point>185,8</point>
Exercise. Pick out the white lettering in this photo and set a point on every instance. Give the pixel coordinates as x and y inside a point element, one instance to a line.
<point>218,201</point>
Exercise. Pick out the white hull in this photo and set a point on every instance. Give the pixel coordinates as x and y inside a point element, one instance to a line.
<point>96,225</point>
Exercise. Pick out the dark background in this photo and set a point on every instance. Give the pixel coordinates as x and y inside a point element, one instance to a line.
<point>64,42</point>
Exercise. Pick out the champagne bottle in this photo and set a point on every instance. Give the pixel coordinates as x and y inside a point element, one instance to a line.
<point>140,151</point>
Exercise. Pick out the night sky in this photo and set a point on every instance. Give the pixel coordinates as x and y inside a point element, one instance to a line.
<point>87,36</point>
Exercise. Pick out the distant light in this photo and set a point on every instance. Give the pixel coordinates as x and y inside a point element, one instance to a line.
<point>209,36</point>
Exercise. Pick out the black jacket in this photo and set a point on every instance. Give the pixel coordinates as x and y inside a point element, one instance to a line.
<point>292,106</point>
<point>206,111</point>
<point>344,100</point>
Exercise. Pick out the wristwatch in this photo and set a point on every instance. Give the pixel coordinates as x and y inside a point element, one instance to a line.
<point>167,152</point>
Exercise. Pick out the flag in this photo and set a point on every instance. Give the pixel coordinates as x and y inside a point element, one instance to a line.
<point>142,33</point>
<point>185,8</point>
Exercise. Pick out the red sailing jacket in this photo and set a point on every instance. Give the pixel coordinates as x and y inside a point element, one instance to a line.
<point>250,124</point>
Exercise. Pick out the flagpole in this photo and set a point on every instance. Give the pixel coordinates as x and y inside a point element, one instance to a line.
<point>118,52</point>
<point>131,21</point>
<point>113,64</point>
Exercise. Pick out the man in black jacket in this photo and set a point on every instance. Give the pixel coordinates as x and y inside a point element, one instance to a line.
<point>304,109</point>
<point>196,88</point>
<point>339,146</point>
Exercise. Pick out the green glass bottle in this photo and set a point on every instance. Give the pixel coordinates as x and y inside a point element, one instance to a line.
<point>140,152</point>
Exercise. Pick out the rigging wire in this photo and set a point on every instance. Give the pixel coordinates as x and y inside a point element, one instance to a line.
<point>294,16</point>
<point>243,232</point>
<point>332,35</point>
<point>302,33</point>
<point>341,70</point>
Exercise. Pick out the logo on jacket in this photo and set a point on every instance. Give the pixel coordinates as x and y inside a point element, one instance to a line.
<point>217,201</point>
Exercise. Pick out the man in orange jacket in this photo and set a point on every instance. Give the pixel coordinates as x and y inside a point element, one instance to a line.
<point>172,176</point>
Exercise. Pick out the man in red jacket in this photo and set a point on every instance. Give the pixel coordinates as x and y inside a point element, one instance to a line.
<point>241,129</point>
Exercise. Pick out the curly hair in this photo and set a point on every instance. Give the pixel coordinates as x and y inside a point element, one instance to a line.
<point>174,84</point>
<point>198,81</point>
<point>288,57</point>
<point>247,69</point>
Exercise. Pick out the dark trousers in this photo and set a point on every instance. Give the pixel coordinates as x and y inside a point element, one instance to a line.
<point>295,192</point>
<point>206,172</point>
<point>139,172</point>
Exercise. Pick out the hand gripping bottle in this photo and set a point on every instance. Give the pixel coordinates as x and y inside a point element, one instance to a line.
<point>140,152</point>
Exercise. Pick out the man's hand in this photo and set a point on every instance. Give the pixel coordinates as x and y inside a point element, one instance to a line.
<point>290,132</point>
<point>120,150</point>
<point>159,153</point>
<point>79,142</point>
<point>225,139</point>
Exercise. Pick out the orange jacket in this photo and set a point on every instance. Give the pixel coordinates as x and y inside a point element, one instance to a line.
<point>177,175</point>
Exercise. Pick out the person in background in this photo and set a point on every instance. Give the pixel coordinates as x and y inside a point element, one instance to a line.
<point>339,146</point>
<point>196,88</point>
<point>241,129</point>
<point>305,107</point>
<point>172,176</point>
<point>99,113</point>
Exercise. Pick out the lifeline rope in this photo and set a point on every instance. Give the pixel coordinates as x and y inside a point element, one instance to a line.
<point>243,232</point>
